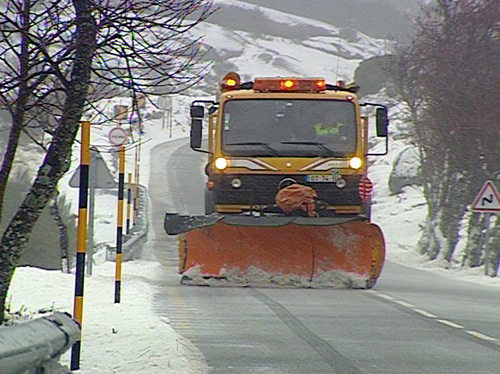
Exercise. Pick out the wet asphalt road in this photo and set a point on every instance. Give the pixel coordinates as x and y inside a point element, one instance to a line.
<point>412,322</point>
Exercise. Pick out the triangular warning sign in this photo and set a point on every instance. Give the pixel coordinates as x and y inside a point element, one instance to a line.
<point>100,176</point>
<point>487,200</point>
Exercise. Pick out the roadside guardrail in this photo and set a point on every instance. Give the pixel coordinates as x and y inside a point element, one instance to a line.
<point>133,242</point>
<point>34,347</point>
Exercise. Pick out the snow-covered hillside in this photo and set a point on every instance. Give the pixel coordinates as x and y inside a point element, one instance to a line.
<point>383,19</point>
<point>280,44</point>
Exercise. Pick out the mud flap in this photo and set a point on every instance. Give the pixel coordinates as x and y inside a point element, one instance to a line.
<point>287,252</point>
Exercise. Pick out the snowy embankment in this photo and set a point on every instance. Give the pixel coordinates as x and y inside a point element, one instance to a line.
<point>129,337</point>
<point>401,216</point>
<point>116,338</point>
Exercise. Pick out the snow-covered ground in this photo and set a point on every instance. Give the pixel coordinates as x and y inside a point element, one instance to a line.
<point>117,338</point>
<point>129,337</point>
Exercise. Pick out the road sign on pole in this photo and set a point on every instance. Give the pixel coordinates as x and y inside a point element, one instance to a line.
<point>117,136</point>
<point>487,200</point>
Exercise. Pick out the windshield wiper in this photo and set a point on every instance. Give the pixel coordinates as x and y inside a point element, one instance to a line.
<point>264,145</point>
<point>319,145</point>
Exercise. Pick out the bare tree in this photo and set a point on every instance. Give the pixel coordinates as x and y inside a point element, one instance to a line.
<point>58,56</point>
<point>451,78</point>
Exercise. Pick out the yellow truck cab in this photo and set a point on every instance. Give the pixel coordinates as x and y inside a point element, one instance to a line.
<point>269,133</point>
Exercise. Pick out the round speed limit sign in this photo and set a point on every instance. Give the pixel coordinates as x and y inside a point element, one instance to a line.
<point>117,136</point>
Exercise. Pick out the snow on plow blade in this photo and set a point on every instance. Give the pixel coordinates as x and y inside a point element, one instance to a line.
<point>279,251</point>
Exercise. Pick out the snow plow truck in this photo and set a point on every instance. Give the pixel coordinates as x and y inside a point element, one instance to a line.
<point>287,196</point>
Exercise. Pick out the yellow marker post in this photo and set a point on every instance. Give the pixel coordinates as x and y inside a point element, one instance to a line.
<point>129,202</point>
<point>136,186</point>
<point>119,223</point>
<point>81,238</point>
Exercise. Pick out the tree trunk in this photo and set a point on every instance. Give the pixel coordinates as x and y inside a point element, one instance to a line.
<point>430,242</point>
<point>492,250</point>
<point>453,208</point>
<point>23,95</point>
<point>57,159</point>
<point>63,235</point>
<point>474,248</point>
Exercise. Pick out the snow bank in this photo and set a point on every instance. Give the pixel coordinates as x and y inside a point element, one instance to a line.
<point>116,338</point>
<point>256,277</point>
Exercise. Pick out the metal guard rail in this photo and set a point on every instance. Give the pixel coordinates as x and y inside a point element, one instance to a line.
<point>35,347</point>
<point>132,246</point>
<point>133,242</point>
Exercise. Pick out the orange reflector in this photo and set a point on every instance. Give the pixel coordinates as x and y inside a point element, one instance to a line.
<point>210,185</point>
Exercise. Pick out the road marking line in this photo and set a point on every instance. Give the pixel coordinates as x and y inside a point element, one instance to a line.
<point>450,323</point>
<point>480,336</point>
<point>180,307</point>
<point>383,296</point>
<point>404,303</point>
<point>424,313</point>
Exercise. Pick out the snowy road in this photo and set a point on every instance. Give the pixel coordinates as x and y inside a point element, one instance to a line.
<point>412,322</point>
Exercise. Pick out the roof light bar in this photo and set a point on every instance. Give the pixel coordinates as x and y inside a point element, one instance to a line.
<point>289,84</point>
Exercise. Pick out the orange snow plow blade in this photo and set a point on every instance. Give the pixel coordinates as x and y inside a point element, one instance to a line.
<point>308,252</point>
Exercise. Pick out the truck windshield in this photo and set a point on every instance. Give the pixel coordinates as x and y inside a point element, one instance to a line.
<point>299,127</point>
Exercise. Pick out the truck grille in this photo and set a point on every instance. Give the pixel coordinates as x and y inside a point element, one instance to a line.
<point>262,189</point>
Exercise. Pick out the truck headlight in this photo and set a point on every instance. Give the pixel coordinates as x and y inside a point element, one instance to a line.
<point>221,163</point>
<point>355,162</point>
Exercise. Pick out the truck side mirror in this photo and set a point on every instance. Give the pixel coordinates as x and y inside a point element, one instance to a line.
<point>196,132</point>
<point>382,121</point>
<point>197,113</point>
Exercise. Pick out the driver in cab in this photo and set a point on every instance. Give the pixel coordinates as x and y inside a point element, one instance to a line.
<point>331,126</point>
